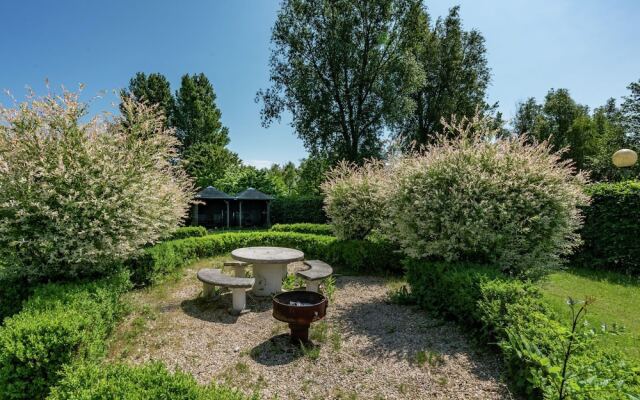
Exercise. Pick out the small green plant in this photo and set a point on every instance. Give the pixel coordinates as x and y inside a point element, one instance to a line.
<point>336,338</point>
<point>420,358</point>
<point>402,388</point>
<point>428,357</point>
<point>292,282</point>
<point>329,287</point>
<point>401,296</point>
<point>310,351</point>
<point>241,367</point>
<point>319,332</point>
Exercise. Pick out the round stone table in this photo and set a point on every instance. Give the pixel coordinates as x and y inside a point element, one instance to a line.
<point>269,266</point>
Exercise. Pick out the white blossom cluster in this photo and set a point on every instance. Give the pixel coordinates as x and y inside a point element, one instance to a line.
<point>77,198</point>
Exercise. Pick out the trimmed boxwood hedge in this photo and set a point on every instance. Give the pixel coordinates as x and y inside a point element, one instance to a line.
<point>529,335</point>
<point>124,382</point>
<point>59,324</point>
<point>355,255</point>
<point>611,230</point>
<point>291,210</point>
<point>188,231</point>
<point>315,229</point>
<point>13,292</point>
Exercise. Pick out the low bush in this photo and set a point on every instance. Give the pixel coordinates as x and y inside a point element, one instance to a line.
<point>296,209</point>
<point>314,229</point>
<point>58,324</point>
<point>611,229</point>
<point>79,198</point>
<point>449,289</point>
<point>353,199</point>
<point>471,197</point>
<point>120,382</point>
<point>187,232</point>
<point>355,255</point>
<point>533,342</point>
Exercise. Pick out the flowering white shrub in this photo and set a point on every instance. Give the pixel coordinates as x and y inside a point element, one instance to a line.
<point>353,199</point>
<point>486,199</point>
<point>77,198</point>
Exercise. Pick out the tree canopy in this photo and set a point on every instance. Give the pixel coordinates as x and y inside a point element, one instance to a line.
<point>341,70</point>
<point>153,89</point>
<point>197,117</point>
<point>590,138</point>
<point>631,112</point>
<point>456,75</point>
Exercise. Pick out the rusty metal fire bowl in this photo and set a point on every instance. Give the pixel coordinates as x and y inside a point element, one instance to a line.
<point>299,309</point>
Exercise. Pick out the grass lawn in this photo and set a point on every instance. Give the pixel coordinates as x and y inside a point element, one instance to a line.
<point>617,301</point>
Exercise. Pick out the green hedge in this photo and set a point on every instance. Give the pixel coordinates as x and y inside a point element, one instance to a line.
<point>291,210</point>
<point>12,293</point>
<point>530,337</point>
<point>611,230</point>
<point>354,255</point>
<point>187,232</point>
<point>314,229</point>
<point>123,382</point>
<point>58,324</point>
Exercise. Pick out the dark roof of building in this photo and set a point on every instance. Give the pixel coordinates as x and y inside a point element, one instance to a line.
<point>253,194</point>
<point>212,193</point>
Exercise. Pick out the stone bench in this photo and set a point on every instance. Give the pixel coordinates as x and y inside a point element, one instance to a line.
<point>211,278</point>
<point>318,270</point>
<point>238,267</point>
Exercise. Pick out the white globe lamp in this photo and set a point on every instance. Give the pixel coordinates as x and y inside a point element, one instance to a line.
<point>624,158</point>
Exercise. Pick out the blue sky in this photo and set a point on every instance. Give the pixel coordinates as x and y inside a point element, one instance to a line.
<point>590,47</point>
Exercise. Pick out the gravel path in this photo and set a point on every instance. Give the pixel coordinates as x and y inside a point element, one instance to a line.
<point>365,348</point>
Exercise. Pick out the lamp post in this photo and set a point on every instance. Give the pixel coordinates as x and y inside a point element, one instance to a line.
<point>624,158</point>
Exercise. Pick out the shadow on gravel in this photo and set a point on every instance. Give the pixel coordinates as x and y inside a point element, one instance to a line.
<point>277,350</point>
<point>216,309</point>
<point>405,332</point>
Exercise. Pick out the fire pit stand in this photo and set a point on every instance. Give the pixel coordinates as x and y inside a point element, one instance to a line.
<point>299,309</point>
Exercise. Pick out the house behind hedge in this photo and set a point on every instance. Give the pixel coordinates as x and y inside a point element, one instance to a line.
<point>215,209</point>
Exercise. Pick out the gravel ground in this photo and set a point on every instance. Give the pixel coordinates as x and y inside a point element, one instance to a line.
<point>365,348</point>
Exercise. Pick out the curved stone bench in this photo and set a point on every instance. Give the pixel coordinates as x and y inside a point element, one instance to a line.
<point>318,270</point>
<point>238,267</point>
<point>211,278</point>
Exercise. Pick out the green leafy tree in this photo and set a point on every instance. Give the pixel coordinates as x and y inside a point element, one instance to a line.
<point>237,179</point>
<point>527,114</point>
<point>631,112</point>
<point>312,173</point>
<point>287,174</point>
<point>153,89</point>
<point>197,117</point>
<point>560,120</point>
<point>340,69</point>
<point>456,75</point>
<point>610,136</point>
<point>208,162</point>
